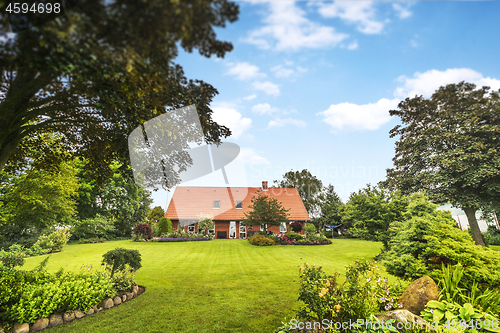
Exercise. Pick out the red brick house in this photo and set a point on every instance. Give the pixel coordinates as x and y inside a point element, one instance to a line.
<point>228,205</point>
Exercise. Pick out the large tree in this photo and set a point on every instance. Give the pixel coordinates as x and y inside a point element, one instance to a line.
<point>331,208</point>
<point>265,210</point>
<point>308,186</point>
<point>449,146</point>
<point>103,69</point>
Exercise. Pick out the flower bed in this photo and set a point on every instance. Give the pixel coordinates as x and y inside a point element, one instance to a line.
<point>169,240</point>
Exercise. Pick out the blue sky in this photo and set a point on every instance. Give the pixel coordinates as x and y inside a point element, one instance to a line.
<point>309,84</point>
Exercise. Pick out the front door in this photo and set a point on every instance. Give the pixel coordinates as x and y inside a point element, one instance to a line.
<point>232,229</point>
<point>243,230</point>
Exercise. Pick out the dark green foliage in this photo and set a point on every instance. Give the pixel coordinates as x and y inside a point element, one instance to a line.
<point>143,231</point>
<point>261,240</point>
<point>165,225</point>
<point>308,186</point>
<point>265,210</point>
<point>449,146</point>
<point>492,236</point>
<point>296,226</point>
<point>331,208</point>
<point>369,213</point>
<point>96,227</point>
<point>155,215</point>
<point>294,236</point>
<point>118,258</point>
<point>11,260</point>
<point>429,238</point>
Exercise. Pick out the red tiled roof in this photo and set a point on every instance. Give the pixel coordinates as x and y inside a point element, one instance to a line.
<point>188,202</point>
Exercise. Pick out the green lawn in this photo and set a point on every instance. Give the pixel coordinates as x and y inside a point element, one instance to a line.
<point>215,286</point>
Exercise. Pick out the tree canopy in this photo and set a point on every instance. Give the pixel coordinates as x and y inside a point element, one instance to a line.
<point>103,69</point>
<point>155,215</point>
<point>265,210</point>
<point>449,147</point>
<point>308,186</point>
<point>331,208</point>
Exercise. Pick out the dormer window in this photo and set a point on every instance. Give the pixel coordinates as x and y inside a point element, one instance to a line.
<point>216,203</point>
<point>239,204</point>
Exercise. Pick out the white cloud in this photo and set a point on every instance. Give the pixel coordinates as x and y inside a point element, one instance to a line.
<point>268,87</point>
<point>228,116</point>
<point>359,117</point>
<point>244,70</point>
<point>278,122</point>
<point>301,69</point>
<point>428,82</point>
<point>360,13</point>
<point>250,157</point>
<point>264,108</point>
<point>281,71</point>
<point>402,10</point>
<point>250,97</point>
<point>352,46</point>
<point>287,28</point>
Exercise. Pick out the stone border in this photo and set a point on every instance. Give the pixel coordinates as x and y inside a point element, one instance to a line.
<point>57,319</point>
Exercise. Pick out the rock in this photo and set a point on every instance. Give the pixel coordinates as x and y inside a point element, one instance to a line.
<point>90,312</point>
<point>135,289</point>
<point>129,296</point>
<point>108,303</point>
<point>69,316</point>
<point>98,308</point>
<point>40,324</point>
<point>117,300</point>
<point>79,314</point>
<point>55,319</point>
<point>418,293</point>
<point>124,298</point>
<point>403,317</point>
<point>21,328</point>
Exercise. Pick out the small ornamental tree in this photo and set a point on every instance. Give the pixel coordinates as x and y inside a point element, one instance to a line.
<point>165,225</point>
<point>205,222</point>
<point>155,215</point>
<point>143,230</point>
<point>265,210</point>
<point>296,226</point>
<point>118,258</point>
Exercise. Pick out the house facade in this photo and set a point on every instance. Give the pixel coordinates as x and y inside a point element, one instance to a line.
<point>228,205</point>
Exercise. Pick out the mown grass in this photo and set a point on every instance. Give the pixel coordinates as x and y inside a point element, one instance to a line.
<point>215,286</point>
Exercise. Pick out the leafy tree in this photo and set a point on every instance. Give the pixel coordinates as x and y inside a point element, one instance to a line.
<point>369,213</point>
<point>308,186</point>
<point>331,208</point>
<point>265,210</point>
<point>449,146</point>
<point>98,226</point>
<point>165,225</point>
<point>118,258</point>
<point>155,215</point>
<point>205,222</point>
<point>103,69</point>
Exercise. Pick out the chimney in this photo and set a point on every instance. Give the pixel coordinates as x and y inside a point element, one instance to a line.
<point>264,185</point>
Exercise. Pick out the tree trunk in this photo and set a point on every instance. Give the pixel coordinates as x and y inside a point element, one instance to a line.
<point>474,227</point>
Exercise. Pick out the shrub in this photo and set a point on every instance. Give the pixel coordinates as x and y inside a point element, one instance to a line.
<point>296,226</point>
<point>124,279</point>
<point>294,236</point>
<point>359,296</point>
<point>55,241</point>
<point>429,239</point>
<point>96,227</point>
<point>165,225</point>
<point>33,295</point>
<point>12,260</point>
<point>91,240</point>
<point>260,240</point>
<point>492,236</point>
<point>205,222</point>
<point>118,258</point>
<point>143,231</point>
<point>446,312</point>
<point>309,228</point>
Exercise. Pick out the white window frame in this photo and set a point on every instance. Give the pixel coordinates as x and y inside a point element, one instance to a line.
<point>189,229</point>
<point>283,226</point>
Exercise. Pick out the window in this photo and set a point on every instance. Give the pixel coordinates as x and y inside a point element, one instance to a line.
<point>216,203</point>
<point>250,227</point>
<point>191,229</point>
<point>283,227</point>
<point>239,204</point>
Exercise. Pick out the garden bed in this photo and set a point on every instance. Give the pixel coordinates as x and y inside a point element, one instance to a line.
<point>170,240</point>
